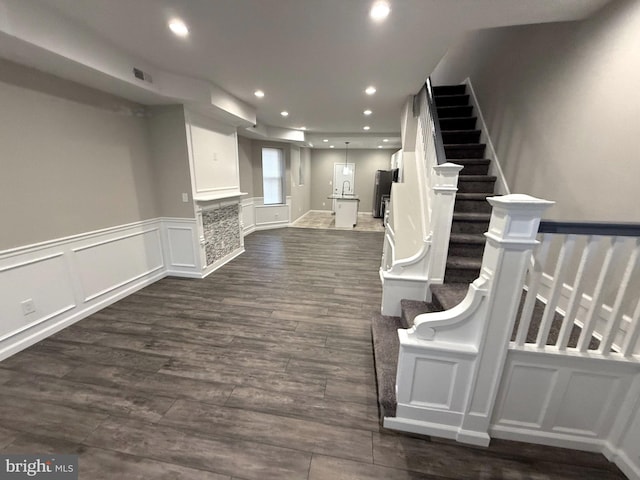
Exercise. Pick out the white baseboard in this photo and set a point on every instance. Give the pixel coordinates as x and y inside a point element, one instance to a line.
<point>502,188</point>
<point>575,442</point>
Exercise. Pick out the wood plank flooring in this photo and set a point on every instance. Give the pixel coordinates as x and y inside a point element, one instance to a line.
<point>264,370</point>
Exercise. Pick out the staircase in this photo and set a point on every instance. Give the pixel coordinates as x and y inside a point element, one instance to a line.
<point>472,211</point>
<point>386,344</point>
<point>466,245</point>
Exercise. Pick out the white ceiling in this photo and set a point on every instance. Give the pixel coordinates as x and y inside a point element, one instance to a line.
<point>313,58</point>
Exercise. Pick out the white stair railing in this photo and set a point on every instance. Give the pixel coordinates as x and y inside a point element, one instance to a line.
<point>585,276</point>
<point>450,363</point>
<point>421,213</point>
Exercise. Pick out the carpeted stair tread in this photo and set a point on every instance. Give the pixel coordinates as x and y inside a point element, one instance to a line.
<point>457,89</point>
<point>412,308</point>
<point>448,295</point>
<point>473,166</point>
<point>473,202</point>
<point>453,137</point>
<point>386,347</point>
<point>476,239</point>
<point>464,150</point>
<point>471,217</point>
<point>464,262</point>
<point>457,123</point>
<point>454,112</point>
<point>452,100</point>
<point>473,196</point>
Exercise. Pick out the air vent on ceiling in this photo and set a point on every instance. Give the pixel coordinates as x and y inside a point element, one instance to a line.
<point>142,75</point>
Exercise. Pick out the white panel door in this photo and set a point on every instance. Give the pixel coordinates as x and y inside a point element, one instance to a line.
<point>344,175</point>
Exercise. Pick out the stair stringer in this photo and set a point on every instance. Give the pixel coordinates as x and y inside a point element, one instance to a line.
<point>501,185</point>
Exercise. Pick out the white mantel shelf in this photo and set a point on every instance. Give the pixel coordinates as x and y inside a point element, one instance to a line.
<point>218,196</point>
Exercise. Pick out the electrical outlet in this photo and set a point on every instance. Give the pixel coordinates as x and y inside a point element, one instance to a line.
<point>28,306</point>
<point>185,197</point>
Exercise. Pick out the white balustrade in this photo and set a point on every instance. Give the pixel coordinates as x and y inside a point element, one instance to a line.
<point>592,285</point>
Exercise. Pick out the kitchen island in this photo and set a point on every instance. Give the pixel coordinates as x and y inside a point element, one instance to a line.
<point>346,210</point>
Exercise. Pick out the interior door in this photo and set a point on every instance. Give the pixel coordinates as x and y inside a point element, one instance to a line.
<point>344,175</point>
<point>344,178</point>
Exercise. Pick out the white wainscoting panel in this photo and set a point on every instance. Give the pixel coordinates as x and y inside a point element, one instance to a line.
<point>69,278</point>
<point>43,278</point>
<point>100,267</point>
<point>561,400</point>
<point>181,247</point>
<point>248,216</point>
<point>258,216</point>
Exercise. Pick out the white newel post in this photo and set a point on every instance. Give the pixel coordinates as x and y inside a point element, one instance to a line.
<point>445,186</point>
<point>510,241</point>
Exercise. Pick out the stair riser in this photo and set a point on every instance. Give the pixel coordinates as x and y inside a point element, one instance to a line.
<point>452,100</point>
<point>453,112</point>
<point>475,186</point>
<point>457,123</point>
<point>464,151</point>
<point>469,227</point>
<point>460,275</point>
<point>449,90</point>
<point>473,169</point>
<point>472,206</point>
<point>472,136</point>
<point>466,250</point>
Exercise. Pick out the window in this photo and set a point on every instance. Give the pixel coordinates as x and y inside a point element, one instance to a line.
<point>272,176</point>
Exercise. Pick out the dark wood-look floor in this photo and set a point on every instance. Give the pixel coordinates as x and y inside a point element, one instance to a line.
<point>263,370</point>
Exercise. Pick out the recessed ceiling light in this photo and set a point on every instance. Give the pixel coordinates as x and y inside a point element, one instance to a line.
<point>325,140</point>
<point>332,146</point>
<point>379,146</point>
<point>302,128</point>
<point>310,144</point>
<point>366,127</point>
<point>178,27</point>
<point>284,113</point>
<point>367,112</point>
<point>259,93</point>
<point>385,140</point>
<point>379,11</point>
<point>370,90</point>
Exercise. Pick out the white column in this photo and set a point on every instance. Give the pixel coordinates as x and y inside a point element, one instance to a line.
<point>510,241</point>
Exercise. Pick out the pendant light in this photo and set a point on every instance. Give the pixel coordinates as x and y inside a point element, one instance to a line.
<point>345,170</point>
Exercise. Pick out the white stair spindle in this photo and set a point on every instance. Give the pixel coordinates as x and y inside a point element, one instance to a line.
<point>596,302</point>
<point>535,275</point>
<point>616,315</point>
<point>632,335</point>
<point>556,289</point>
<point>576,294</point>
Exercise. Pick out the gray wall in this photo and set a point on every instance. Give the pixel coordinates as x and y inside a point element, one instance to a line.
<point>366,163</point>
<point>245,165</point>
<point>170,160</point>
<point>562,106</point>
<point>300,187</point>
<point>72,159</point>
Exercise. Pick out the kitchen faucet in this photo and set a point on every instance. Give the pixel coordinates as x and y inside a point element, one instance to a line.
<point>349,188</point>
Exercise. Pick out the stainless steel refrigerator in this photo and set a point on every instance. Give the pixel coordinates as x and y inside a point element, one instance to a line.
<point>381,189</point>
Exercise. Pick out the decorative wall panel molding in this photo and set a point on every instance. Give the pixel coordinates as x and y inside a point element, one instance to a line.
<point>48,286</point>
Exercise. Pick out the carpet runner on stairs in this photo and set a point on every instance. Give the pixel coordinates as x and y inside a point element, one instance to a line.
<point>471,211</point>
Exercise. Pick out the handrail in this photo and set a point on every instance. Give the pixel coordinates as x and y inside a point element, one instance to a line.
<point>590,228</point>
<point>435,123</point>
